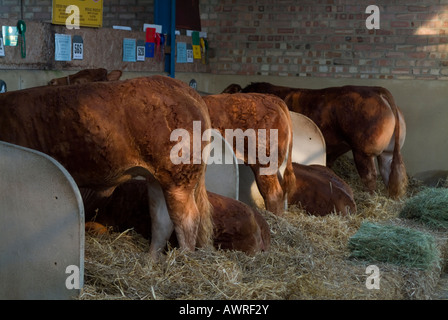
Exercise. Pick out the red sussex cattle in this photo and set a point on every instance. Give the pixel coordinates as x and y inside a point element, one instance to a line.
<point>105,133</point>
<point>236,225</point>
<point>363,119</point>
<point>256,112</point>
<point>320,191</point>
<point>87,75</point>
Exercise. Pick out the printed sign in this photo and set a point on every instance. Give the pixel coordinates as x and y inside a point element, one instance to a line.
<point>62,47</point>
<point>90,12</point>
<point>129,50</point>
<point>181,52</point>
<point>10,35</point>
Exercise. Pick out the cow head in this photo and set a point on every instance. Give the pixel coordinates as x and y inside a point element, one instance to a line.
<point>87,75</point>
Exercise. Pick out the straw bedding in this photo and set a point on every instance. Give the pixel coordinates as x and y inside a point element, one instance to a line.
<point>309,258</point>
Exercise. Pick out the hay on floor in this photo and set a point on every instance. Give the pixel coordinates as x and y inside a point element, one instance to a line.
<point>308,259</point>
<point>394,244</point>
<point>429,207</point>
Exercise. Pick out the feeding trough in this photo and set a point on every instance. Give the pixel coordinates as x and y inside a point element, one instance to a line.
<point>41,227</point>
<point>308,148</point>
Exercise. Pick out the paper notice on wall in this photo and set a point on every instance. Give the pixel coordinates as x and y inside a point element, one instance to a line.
<point>181,52</point>
<point>129,50</point>
<point>2,48</point>
<point>62,47</point>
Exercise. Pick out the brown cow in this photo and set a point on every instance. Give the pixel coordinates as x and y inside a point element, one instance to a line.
<point>236,225</point>
<point>230,113</point>
<point>358,118</point>
<point>87,75</point>
<point>320,191</point>
<point>258,111</point>
<point>105,133</point>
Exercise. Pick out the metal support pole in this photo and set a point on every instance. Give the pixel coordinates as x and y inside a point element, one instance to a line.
<point>165,15</point>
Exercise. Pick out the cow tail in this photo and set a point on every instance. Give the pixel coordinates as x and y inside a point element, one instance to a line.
<point>398,179</point>
<point>206,226</point>
<point>205,231</point>
<point>289,178</point>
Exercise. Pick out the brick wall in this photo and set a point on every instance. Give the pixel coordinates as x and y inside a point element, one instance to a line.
<point>318,38</point>
<point>328,38</point>
<point>132,13</point>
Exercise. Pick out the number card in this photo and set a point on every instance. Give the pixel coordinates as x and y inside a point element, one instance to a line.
<point>140,50</point>
<point>190,58</point>
<point>78,48</point>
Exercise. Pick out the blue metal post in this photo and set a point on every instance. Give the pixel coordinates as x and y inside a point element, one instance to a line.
<point>165,15</point>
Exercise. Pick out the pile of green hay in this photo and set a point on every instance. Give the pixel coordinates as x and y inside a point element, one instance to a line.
<point>429,207</point>
<point>394,244</point>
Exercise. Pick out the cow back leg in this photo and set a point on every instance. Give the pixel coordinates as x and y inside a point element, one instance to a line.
<point>384,165</point>
<point>161,224</point>
<point>365,164</point>
<point>271,191</point>
<point>185,216</point>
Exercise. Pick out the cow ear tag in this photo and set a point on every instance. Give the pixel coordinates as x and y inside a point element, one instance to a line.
<point>21,27</point>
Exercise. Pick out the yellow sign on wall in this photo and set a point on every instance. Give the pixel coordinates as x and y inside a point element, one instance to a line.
<point>90,12</point>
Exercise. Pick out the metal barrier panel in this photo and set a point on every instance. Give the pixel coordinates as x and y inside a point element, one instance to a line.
<point>222,174</point>
<point>41,227</point>
<point>308,141</point>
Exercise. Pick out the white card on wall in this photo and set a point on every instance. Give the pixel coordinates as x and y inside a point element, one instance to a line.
<point>189,53</point>
<point>140,50</point>
<point>78,48</point>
